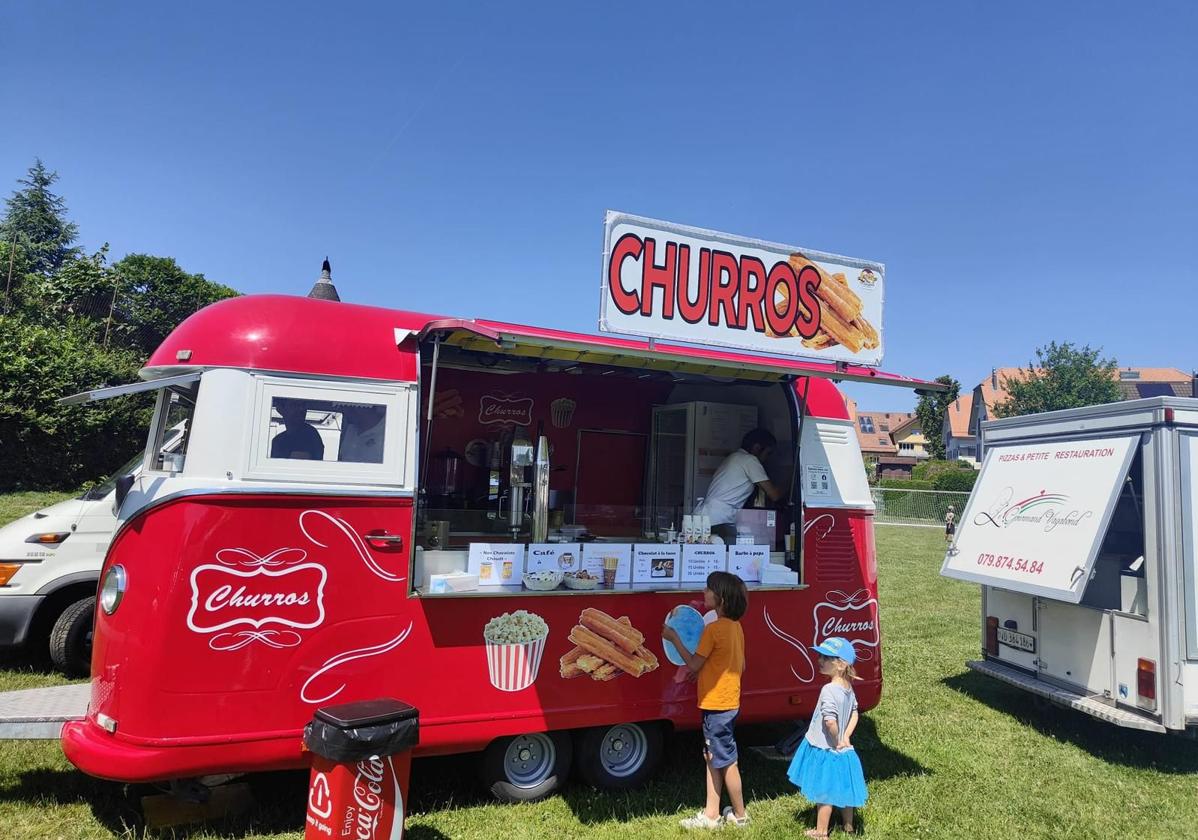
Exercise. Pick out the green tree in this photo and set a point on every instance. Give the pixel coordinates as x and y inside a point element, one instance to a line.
<point>35,219</point>
<point>931,411</point>
<point>1063,376</point>
<point>52,446</point>
<point>155,295</point>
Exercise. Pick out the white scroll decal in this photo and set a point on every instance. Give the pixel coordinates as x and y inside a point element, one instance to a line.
<point>354,540</point>
<point>854,617</point>
<point>340,659</point>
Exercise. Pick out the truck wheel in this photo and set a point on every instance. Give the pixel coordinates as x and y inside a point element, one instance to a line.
<point>71,638</point>
<point>525,768</point>
<point>619,757</point>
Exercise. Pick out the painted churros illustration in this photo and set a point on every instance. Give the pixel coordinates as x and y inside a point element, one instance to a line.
<point>606,647</point>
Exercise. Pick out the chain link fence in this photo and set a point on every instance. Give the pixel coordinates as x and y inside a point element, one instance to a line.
<point>896,506</point>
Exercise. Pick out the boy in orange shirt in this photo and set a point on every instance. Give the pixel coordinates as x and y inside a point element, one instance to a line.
<point>719,662</point>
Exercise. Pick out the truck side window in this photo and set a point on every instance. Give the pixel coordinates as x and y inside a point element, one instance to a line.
<point>174,427</point>
<point>323,430</point>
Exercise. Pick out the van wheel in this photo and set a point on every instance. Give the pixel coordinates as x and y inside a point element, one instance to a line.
<point>71,638</point>
<point>619,757</point>
<point>525,768</point>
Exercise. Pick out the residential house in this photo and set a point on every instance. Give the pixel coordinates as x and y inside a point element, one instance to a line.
<point>874,430</point>
<point>909,439</point>
<point>959,444</point>
<point>1134,383</point>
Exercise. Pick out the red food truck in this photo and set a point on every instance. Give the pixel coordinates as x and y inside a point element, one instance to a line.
<point>481,519</point>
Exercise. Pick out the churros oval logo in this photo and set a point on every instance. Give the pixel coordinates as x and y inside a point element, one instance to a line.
<point>508,410</point>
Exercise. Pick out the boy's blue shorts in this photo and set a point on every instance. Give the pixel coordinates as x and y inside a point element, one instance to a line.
<point>718,737</point>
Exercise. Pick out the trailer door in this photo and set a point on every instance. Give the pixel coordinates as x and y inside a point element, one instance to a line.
<point>1038,513</point>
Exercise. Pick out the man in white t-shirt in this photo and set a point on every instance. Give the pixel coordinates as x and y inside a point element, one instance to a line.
<point>737,478</point>
<point>362,435</point>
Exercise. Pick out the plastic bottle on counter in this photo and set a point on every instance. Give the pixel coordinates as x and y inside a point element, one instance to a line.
<point>687,535</point>
<point>705,536</point>
<point>671,534</point>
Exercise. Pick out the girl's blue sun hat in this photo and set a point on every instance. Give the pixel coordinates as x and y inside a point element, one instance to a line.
<point>837,648</point>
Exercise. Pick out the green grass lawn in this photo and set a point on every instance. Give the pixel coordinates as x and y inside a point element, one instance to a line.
<point>946,754</point>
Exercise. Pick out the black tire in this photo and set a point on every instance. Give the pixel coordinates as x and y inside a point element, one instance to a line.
<point>525,768</point>
<point>71,638</point>
<point>619,757</point>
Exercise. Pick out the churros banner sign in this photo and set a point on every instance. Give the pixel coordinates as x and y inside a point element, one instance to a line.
<point>662,280</point>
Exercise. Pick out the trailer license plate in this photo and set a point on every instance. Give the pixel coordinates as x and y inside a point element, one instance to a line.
<point>1019,641</point>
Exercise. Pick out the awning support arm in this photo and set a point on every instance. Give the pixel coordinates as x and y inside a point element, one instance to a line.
<point>428,423</point>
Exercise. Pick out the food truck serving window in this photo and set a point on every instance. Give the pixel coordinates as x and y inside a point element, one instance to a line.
<point>1038,514</point>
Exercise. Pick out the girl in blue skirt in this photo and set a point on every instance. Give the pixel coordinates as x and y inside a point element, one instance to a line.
<point>825,768</point>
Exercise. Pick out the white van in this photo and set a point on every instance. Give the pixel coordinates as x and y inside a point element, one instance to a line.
<point>52,558</point>
<point>1081,529</point>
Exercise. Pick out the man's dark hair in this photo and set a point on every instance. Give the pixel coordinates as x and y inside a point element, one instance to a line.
<point>758,437</point>
<point>730,592</point>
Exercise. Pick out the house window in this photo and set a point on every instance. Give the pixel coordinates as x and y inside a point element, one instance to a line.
<point>906,447</point>
<point>883,442</point>
<point>866,424</point>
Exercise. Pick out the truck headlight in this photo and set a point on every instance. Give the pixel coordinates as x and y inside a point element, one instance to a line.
<point>112,590</point>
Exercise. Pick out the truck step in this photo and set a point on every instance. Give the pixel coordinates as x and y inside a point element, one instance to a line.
<point>1064,697</point>
<point>39,713</point>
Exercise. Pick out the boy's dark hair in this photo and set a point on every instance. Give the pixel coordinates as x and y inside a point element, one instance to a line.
<point>730,592</point>
<point>758,437</point>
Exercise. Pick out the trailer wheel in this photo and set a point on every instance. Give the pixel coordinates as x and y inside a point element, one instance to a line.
<point>525,768</point>
<point>71,638</point>
<point>619,757</point>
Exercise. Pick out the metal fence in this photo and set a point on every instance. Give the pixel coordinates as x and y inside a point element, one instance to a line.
<point>896,506</point>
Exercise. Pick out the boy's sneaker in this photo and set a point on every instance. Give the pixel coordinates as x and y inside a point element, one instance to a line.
<point>700,820</point>
<point>733,820</point>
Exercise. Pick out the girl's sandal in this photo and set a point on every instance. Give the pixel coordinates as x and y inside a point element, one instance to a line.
<point>815,835</point>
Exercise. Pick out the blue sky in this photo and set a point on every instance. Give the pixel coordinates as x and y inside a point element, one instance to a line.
<point>1026,170</point>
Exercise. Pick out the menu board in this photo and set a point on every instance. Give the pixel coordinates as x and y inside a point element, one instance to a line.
<point>747,561</point>
<point>655,563</point>
<point>593,555</point>
<point>554,557</point>
<point>496,564</point>
<point>698,561</point>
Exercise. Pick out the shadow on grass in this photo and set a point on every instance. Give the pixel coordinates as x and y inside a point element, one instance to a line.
<point>1111,743</point>
<point>678,786</point>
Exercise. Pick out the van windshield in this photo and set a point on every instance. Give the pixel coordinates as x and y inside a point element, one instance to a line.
<point>109,484</point>
<point>173,438</point>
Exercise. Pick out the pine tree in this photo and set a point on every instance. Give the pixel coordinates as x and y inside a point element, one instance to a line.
<point>35,221</point>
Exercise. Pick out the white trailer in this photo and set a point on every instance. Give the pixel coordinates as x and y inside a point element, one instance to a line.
<point>1081,530</point>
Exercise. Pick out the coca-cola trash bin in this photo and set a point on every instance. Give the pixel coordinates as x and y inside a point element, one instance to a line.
<point>361,757</point>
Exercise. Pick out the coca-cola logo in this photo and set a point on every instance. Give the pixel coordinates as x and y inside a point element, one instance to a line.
<point>222,597</point>
<point>517,411</point>
<point>369,790</point>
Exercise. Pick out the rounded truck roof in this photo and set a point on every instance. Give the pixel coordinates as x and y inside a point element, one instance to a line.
<point>287,334</point>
